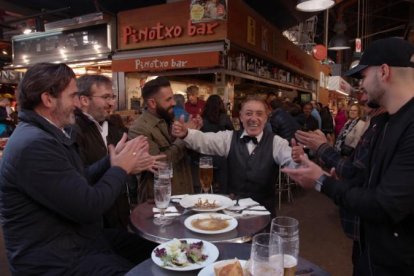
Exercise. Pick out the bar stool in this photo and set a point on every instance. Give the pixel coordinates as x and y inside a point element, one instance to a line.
<point>284,184</point>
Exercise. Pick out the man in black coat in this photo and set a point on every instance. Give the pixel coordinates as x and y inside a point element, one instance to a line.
<point>50,214</point>
<point>383,196</point>
<point>95,131</point>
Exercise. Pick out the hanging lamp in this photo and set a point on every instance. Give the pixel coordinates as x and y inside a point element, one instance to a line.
<point>314,5</point>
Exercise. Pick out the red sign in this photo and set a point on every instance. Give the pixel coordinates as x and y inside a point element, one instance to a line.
<point>161,32</point>
<point>162,63</point>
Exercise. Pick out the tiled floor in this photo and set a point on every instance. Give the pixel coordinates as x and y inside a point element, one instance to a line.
<point>321,237</point>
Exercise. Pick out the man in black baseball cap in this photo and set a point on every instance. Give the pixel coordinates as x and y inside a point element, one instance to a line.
<point>393,51</point>
<point>381,195</point>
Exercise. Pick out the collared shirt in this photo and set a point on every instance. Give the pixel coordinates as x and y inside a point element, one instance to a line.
<point>219,144</point>
<point>52,123</point>
<point>103,129</point>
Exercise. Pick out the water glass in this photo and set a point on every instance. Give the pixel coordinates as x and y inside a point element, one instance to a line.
<point>206,173</point>
<point>288,229</point>
<point>266,257</point>
<point>164,170</point>
<point>162,196</point>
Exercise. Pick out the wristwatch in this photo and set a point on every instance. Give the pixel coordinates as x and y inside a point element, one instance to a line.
<point>319,182</point>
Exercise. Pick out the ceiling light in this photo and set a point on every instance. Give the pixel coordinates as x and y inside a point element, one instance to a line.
<point>339,42</point>
<point>27,31</point>
<point>314,5</point>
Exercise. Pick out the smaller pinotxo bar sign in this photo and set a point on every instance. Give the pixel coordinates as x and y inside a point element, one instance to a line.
<point>162,63</point>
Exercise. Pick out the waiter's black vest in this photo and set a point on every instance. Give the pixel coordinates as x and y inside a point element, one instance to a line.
<point>253,175</point>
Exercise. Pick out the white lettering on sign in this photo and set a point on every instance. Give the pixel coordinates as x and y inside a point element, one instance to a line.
<point>159,64</point>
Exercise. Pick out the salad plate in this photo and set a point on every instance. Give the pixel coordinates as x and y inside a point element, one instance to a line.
<point>206,202</point>
<point>210,223</point>
<point>184,254</point>
<point>209,269</point>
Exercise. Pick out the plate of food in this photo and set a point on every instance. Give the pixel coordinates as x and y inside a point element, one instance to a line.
<point>210,223</point>
<point>206,202</point>
<point>184,254</point>
<point>223,268</point>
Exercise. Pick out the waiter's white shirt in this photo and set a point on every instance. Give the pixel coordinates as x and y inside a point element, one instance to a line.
<point>219,144</point>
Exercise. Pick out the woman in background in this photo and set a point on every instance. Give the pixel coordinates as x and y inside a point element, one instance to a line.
<point>352,131</point>
<point>215,119</point>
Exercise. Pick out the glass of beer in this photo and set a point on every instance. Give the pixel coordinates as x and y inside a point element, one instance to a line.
<point>206,173</point>
<point>288,229</point>
<point>266,257</point>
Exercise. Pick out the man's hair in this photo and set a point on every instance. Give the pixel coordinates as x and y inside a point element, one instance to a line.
<point>275,104</point>
<point>40,78</point>
<point>179,100</point>
<point>86,82</point>
<point>153,86</point>
<point>255,98</point>
<point>192,90</point>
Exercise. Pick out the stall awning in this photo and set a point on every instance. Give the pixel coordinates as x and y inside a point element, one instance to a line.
<point>206,55</point>
<point>339,85</point>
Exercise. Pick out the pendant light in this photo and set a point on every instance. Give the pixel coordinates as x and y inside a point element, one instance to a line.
<point>314,5</point>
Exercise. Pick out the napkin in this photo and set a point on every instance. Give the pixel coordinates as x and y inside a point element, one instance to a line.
<point>244,202</point>
<point>256,211</point>
<point>170,209</point>
<point>177,198</point>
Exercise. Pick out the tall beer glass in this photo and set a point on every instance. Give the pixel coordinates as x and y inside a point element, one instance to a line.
<point>206,173</point>
<point>288,229</point>
<point>162,196</point>
<point>266,257</point>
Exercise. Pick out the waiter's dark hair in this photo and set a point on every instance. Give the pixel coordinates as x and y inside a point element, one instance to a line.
<point>153,86</point>
<point>40,78</point>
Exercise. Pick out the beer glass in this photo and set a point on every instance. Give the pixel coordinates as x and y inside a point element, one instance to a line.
<point>266,257</point>
<point>162,196</point>
<point>206,173</point>
<point>288,229</point>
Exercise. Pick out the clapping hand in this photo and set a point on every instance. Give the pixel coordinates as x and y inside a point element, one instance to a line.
<point>311,139</point>
<point>297,151</point>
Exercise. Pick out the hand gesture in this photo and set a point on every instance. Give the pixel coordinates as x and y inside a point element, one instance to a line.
<point>297,151</point>
<point>179,128</point>
<point>311,139</point>
<point>307,174</point>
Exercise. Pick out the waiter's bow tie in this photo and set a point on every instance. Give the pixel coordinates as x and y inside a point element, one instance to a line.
<point>247,139</point>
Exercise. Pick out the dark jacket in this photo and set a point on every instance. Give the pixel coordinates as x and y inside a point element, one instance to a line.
<point>307,123</point>
<point>50,215</point>
<point>384,197</point>
<point>92,148</point>
<point>283,124</point>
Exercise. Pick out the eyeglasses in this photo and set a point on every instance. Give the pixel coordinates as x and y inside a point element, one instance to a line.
<point>106,97</point>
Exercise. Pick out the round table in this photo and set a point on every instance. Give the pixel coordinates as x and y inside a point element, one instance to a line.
<point>142,216</point>
<point>227,251</point>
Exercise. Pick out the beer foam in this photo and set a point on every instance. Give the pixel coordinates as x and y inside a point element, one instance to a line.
<point>289,261</point>
<point>206,166</point>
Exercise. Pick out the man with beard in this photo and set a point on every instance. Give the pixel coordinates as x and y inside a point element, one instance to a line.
<point>95,131</point>
<point>383,194</point>
<point>253,154</point>
<point>50,213</point>
<point>155,124</point>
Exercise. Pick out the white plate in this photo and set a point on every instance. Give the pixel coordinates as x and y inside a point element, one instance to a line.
<point>209,249</point>
<point>232,223</point>
<point>222,201</point>
<point>209,270</point>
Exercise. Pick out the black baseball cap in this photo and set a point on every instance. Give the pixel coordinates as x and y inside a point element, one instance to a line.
<point>394,52</point>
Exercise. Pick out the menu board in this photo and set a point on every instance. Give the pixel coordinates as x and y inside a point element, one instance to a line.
<point>61,46</point>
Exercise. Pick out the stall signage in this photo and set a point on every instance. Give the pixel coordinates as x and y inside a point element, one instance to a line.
<point>161,31</point>
<point>10,76</point>
<point>161,63</point>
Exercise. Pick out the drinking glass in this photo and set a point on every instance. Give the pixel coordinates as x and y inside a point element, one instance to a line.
<point>266,257</point>
<point>162,196</point>
<point>206,173</point>
<point>288,229</point>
